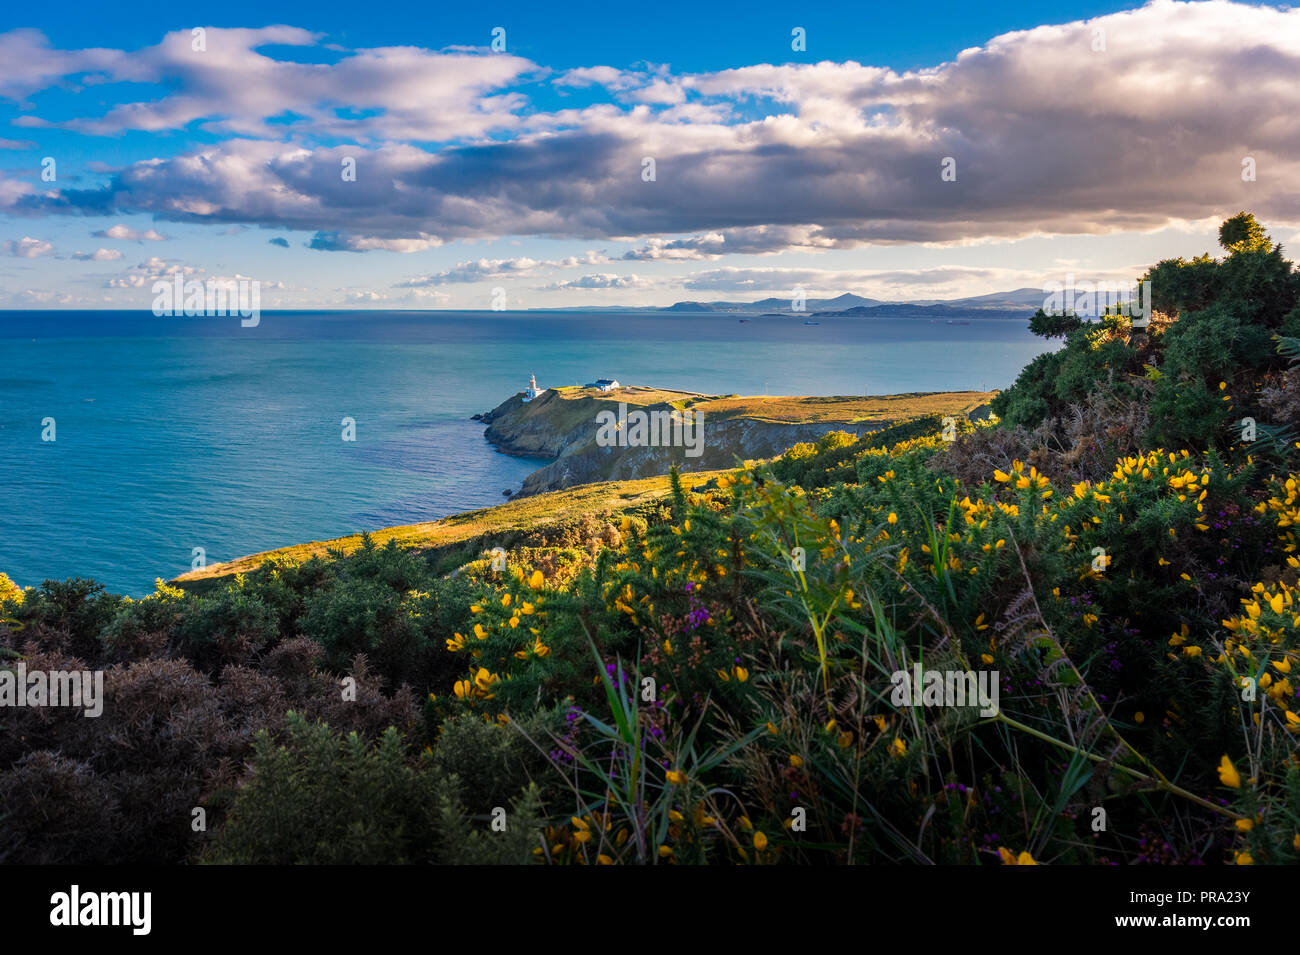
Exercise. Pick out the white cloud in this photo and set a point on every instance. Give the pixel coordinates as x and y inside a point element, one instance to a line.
<point>482,270</point>
<point>27,247</point>
<point>127,233</point>
<point>29,64</point>
<point>604,280</point>
<point>151,270</point>
<point>606,76</point>
<point>345,242</point>
<point>399,92</point>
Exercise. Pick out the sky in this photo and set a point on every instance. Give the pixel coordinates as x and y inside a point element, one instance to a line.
<point>420,156</point>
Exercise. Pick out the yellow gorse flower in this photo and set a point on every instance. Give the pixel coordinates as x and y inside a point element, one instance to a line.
<point>1228,774</point>
<point>1010,858</point>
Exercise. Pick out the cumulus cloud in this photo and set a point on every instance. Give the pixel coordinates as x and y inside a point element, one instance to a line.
<point>46,298</point>
<point>660,92</point>
<point>428,296</point>
<point>602,281</point>
<point>232,87</point>
<point>348,242</point>
<point>754,240</point>
<point>476,271</point>
<point>481,270</point>
<point>687,248</point>
<point>128,234</point>
<point>99,255</point>
<point>28,63</point>
<point>606,76</point>
<point>145,273</point>
<point>27,247</point>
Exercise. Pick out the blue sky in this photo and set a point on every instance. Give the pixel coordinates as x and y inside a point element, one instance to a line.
<point>692,36</point>
<point>1087,139</point>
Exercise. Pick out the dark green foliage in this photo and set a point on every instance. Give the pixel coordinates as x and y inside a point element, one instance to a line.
<point>327,799</point>
<point>1242,233</point>
<point>68,615</point>
<point>141,628</point>
<point>494,763</point>
<point>1260,285</point>
<point>1051,383</point>
<point>1200,350</point>
<point>1225,312</point>
<point>360,615</point>
<point>1049,325</point>
<point>1028,401</point>
<point>1183,285</point>
<point>225,627</point>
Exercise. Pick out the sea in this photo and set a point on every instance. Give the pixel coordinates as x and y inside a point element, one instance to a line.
<point>184,438</point>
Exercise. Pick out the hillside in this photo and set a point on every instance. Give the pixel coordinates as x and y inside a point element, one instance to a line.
<point>450,542</point>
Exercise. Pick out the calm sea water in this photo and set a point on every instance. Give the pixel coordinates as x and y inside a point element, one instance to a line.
<point>177,433</point>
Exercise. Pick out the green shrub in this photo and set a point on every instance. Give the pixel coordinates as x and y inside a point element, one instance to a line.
<point>494,762</point>
<point>227,626</point>
<point>324,799</point>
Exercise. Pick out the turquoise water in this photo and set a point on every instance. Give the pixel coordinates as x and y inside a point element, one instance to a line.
<point>177,433</point>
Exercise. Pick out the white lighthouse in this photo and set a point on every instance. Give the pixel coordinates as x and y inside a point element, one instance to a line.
<point>531,391</point>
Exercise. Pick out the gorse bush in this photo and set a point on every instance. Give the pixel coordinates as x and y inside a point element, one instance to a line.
<point>1214,323</point>
<point>321,798</point>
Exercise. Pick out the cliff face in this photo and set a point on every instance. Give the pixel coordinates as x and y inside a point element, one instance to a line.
<point>544,427</point>
<point>564,426</point>
<point>725,443</point>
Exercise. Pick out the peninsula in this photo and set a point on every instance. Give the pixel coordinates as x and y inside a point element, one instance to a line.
<point>566,424</point>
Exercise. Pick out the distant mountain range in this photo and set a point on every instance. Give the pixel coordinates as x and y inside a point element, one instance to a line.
<point>1016,299</point>
<point>837,304</point>
<point>1019,300</point>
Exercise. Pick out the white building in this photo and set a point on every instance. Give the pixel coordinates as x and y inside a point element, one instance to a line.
<point>605,384</point>
<point>532,391</point>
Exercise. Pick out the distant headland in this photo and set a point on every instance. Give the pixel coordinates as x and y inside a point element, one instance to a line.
<point>591,431</point>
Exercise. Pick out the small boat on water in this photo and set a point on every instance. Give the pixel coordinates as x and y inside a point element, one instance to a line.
<point>812,323</point>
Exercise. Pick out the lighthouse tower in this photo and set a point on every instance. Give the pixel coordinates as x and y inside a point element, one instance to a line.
<point>531,392</point>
